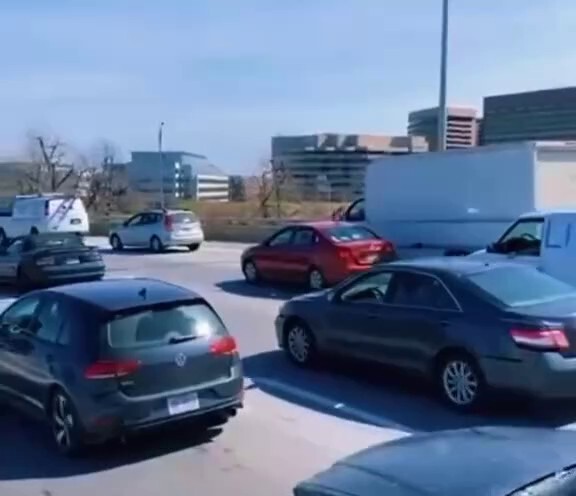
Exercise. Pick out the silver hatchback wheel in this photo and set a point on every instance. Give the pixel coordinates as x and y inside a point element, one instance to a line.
<point>460,383</point>
<point>300,344</point>
<point>156,245</point>
<point>316,279</point>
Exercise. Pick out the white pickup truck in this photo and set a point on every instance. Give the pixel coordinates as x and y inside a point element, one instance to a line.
<point>55,212</point>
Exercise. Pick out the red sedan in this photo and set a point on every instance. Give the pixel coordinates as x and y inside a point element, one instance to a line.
<point>317,254</point>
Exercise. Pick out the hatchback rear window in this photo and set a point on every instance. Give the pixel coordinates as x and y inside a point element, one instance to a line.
<point>183,218</point>
<point>343,234</point>
<point>521,286</point>
<point>160,326</point>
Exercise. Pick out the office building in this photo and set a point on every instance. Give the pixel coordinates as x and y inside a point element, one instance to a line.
<point>534,115</point>
<point>461,126</point>
<point>332,167</point>
<point>185,175</point>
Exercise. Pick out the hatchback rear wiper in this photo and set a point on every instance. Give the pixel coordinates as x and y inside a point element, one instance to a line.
<point>181,339</point>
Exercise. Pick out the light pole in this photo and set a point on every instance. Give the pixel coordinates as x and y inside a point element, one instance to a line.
<point>160,155</point>
<point>442,110</point>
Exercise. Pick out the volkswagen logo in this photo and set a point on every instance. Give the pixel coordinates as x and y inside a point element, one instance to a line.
<point>180,359</point>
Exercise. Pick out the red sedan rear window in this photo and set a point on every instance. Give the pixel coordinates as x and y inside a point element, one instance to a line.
<point>343,234</point>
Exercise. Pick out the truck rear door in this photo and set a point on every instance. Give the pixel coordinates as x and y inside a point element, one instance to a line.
<point>558,252</point>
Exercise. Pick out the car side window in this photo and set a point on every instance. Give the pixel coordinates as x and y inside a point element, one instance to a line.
<point>356,212</point>
<point>50,321</point>
<point>305,237</point>
<point>419,290</point>
<point>20,315</point>
<point>15,248</point>
<point>134,221</point>
<point>282,238</point>
<point>372,288</point>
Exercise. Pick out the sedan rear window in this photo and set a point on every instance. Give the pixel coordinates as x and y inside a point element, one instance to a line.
<point>344,234</point>
<point>160,326</point>
<point>521,286</point>
<point>183,218</point>
<point>38,241</point>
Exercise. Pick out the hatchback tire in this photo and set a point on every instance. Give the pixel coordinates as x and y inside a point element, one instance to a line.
<point>461,382</point>
<point>250,272</point>
<point>64,424</point>
<point>116,243</point>
<point>316,280</point>
<point>156,245</point>
<point>299,344</point>
<point>194,246</point>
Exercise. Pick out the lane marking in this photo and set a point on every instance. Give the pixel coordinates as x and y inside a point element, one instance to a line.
<point>330,404</point>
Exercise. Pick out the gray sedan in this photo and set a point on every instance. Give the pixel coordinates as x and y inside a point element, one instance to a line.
<point>468,326</point>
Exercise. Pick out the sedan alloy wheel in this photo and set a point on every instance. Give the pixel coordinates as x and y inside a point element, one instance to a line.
<point>250,271</point>
<point>300,344</point>
<point>461,384</point>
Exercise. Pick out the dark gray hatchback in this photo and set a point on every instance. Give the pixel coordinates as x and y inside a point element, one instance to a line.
<point>100,359</point>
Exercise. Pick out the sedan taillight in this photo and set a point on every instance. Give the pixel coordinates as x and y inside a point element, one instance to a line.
<point>540,339</point>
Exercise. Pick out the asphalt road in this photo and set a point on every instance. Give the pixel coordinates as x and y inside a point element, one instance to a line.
<point>295,422</point>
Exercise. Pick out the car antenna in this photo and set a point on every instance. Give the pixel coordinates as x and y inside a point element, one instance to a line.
<point>142,293</point>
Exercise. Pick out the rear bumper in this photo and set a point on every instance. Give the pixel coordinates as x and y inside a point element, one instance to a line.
<point>338,274</point>
<point>65,273</point>
<point>117,414</point>
<point>183,240</point>
<point>542,375</point>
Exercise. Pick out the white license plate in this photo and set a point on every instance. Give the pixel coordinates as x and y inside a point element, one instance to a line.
<point>71,261</point>
<point>183,404</point>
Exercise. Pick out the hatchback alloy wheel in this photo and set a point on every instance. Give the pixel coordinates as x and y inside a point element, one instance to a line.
<point>156,244</point>
<point>64,428</point>
<point>460,383</point>
<point>316,279</point>
<point>115,242</point>
<point>300,344</point>
<point>250,272</point>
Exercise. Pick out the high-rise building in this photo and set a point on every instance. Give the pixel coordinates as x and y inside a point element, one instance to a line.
<point>332,166</point>
<point>534,115</point>
<point>461,126</point>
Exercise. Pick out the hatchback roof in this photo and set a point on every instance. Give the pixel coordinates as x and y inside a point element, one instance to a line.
<point>113,295</point>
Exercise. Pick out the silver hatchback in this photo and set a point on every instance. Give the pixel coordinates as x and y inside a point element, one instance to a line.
<point>159,229</point>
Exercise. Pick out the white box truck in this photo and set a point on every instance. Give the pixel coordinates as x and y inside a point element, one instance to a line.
<point>463,200</point>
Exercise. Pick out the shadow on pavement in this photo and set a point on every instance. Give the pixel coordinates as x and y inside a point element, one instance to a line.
<point>386,397</point>
<point>31,455</point>
<point>242,288</point>
<point>138,252</point>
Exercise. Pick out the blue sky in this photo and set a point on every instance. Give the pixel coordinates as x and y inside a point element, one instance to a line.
<point>225,75</point>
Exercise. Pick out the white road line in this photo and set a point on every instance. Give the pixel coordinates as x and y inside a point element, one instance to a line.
<point>330,404</point>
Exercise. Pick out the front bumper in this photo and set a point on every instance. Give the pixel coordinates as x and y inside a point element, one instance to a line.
<point>542,375</point>
<point>117,414</point>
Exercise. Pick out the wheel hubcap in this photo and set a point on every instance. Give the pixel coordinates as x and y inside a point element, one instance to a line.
<point>250,271</point>
<point>299,344</point>
<point>460,382</point>
<point>63,422</point>
<point>316,280</point>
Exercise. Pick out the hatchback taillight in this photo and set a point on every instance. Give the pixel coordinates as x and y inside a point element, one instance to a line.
<point>225,345</point>
<point>111,369</point>
<point>168,223</point>
<point>540,339</point>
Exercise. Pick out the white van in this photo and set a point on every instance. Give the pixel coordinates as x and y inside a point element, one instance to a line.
<point>43,213</point>
<point>545,240</point>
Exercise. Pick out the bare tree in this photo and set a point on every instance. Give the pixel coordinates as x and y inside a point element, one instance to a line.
<point>272,177</point>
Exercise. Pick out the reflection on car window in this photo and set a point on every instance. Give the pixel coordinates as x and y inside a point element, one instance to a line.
<point>419,290</point>
<point>304,237</point>
<point>369,289</point>
<point>562,483</point>
<point>50,321</point>
<point>528,228</point>
<point>20,314</point>
<point>282,238</point>
<point>343,234</point>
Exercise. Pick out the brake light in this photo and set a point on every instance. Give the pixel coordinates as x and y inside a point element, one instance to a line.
<point>168,223</point>
<point>224,346</point>
<point>111,369</point>
<point>541,339</point>
<point>387,247</point>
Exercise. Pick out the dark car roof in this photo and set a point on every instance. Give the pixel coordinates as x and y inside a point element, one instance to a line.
<point>471,462</point>
<point>454,265</point>
<point>115,295</point>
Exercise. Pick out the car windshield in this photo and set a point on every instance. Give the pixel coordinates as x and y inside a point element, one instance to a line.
<point>163,325</point>
<point>52,241</point>
<point>344,234</point>
<point>520,286</point>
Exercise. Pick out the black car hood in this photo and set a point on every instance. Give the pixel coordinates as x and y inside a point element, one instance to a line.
<point>471,462</point>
